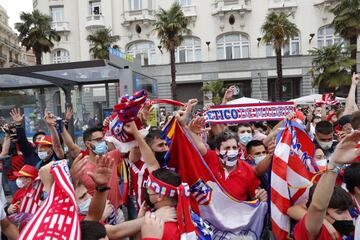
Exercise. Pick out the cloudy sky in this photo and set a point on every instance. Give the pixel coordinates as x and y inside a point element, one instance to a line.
<point>14,8</point>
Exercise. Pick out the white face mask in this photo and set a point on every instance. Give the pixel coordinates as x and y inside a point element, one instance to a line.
<point>245,138</point>
<point>325,145</point>
<point>20,183</point>
<point>322,163</point>
<point>83,207</point>
<point>229,158</point>
<point>259,159</point>
<point>42,155</point>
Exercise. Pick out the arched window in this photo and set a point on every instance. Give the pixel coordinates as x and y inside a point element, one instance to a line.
<point>291,48</point>
<point>144,49</point>
<point>60,56</point>
<point>189,50</point>
<point>326,36</point>
<point>232,46</point>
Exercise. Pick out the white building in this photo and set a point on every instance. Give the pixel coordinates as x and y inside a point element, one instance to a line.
<point>225,43</point>
<point>11,54</point>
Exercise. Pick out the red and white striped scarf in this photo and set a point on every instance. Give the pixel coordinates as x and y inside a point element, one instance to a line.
<point>290,175</point>
<point>327,99</point>
<point>57,218</point>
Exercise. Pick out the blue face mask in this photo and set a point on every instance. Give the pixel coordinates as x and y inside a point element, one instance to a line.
<point>100,148</point>
<point>245,138</point>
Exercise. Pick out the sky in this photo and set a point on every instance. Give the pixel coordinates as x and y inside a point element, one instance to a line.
<point>14,8</point>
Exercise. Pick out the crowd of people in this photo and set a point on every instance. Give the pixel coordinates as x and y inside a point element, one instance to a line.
<point>118,190</point>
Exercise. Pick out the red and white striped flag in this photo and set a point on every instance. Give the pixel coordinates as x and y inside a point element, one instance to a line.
<point>290,175</point>
<point>327,99</point>
<point>57,218</point>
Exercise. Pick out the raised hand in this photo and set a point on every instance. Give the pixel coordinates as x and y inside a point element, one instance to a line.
<point>77,168</point>
<point>17,116</point>
<point>355,78</point>
<point>106,121</point>
<point>153,227</point>
<point>346,151</point>
<point>103,172</point>
<point>197,125</point>
<point>130,128</point>
<point>229,92</point>
<point>50,119</point>
<point>68,114</point>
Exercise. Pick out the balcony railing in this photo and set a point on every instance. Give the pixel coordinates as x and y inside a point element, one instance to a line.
<point>141,15</point>
<point>95,21</point>
<point>223,6</point>
<point>284,4</point>
<point>9,44</point>
<point>189,11</point>
<point>325,3</point>
<point>3,57</point>
<point>60,26</point>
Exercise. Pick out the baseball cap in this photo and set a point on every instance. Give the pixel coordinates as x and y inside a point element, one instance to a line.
<point>27,171</point>
<point>46,140</point>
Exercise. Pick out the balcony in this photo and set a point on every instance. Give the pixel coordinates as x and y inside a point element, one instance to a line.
<point>95,22</point>
<point>223,6</point>
<point>325,3</point>
<point>283,5</point>
<point>143,15</point>
<point>10,45</point>
<point>16,63</point>
<point>56,2</point>
<point>61,26</point>
<point>3,57</point>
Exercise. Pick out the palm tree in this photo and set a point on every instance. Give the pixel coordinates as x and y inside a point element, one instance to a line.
<point>35,33</point>
<point>278,30</point>
<point>100,43</point>
<point>331,66</point>
<point>217,90</point>
<point>347,23</point>
<point>170,26</point>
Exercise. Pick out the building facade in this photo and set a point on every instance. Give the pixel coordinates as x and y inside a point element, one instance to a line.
<point>225,42</point>
<point>11,53</point>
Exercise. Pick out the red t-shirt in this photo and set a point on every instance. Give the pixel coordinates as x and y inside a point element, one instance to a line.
<point>171,231</point>
<point>138,174</point>
<point>241,182</point>
<point>17,162</point>
<point>114,193</point>
<point>300,232</point>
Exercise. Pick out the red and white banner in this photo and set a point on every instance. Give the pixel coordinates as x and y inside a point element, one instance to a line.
<point>249,112</point>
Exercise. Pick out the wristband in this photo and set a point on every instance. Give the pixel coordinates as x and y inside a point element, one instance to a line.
<point>336,168</point>
<point>102,188</point>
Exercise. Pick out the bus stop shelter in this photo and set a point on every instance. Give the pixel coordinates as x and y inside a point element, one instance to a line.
<point>122,69</point>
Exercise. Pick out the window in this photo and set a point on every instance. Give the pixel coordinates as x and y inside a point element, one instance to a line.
<point>95,7</point>
<point>135,4</point>
<point>290,88</point>
<point>185,2</point>
<point>60,56</point>
<point>189,50</point>
<point>143,49</point>
<point>232,46</point>
<point>290,49</point>
<point>57,14</point>
<point>326,36</point>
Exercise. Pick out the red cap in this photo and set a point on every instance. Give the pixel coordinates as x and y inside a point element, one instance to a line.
<point>46,140</point>
<point>27,171</point>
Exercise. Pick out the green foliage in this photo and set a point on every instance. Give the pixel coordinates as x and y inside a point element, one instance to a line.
<point>278,30</point>
<point>100,42</point>
<point>35,33</point>
<point>347,18</point>
<point>331,66</point>
<point>171,25</point>
<point>217,90</point>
